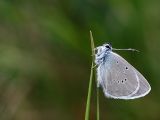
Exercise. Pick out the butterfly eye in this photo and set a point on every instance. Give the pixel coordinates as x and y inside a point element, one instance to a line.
<point>107,46</point>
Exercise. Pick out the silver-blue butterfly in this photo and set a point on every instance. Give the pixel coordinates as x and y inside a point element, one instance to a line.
<point>118,78</point>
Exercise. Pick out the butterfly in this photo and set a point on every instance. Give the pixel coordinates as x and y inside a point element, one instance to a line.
<point>118,78</point>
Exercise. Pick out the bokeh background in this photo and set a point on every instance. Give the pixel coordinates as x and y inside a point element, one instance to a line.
<point>45,57</point>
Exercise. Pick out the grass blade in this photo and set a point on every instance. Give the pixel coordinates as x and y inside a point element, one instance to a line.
<point>98,104</point>
<point>93,54</point>
<point>89,95</point>
<point>90,84</point>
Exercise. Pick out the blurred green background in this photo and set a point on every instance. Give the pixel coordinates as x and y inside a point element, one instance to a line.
<point>45,57</point>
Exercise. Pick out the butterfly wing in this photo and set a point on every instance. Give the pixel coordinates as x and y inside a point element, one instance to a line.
<point>144,88</point>
<point>119,79</point>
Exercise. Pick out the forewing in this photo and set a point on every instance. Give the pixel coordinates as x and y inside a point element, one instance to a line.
<point>119,79</point>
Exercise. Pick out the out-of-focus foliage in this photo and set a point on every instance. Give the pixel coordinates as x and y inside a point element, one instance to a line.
<point>45,56</point>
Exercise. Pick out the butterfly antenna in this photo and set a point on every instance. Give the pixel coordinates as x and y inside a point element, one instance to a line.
<point>129,49</point>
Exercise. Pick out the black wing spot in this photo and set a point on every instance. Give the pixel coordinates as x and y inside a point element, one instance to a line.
<point>118,81</point>
<point>117,62</point>
<point>122,81</point>
<point>126,68</point>
<point>125,79</point>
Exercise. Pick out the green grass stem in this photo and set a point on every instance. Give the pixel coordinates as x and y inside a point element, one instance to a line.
<point>90,84</point>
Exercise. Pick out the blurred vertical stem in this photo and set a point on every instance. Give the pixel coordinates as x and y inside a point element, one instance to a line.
<point>97,103</point>
<point>90,84</point>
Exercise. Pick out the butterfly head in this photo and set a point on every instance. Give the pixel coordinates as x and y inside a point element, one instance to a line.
<point>104,48</point>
